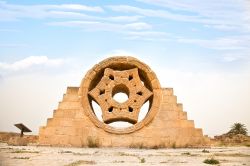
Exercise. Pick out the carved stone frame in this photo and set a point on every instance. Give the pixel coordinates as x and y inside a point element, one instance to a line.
<point>120,63</point>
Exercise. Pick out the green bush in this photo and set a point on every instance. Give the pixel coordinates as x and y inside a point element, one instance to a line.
<point>211,161</point>
<point>205,151</point>
<point>186,153</point>
<point>174,145</point>
<point>143,160</point>
<point>92,142</point>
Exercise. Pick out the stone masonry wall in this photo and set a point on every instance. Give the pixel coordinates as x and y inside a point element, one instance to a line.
<point>169,128</point>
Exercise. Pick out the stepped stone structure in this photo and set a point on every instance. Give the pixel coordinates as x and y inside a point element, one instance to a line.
<point>75,122</point>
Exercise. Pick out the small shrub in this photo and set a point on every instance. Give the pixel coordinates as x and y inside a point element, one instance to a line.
<point>247,145</point>
<point>81,162</point>
<point>24,151</point>
<point>205,151</point>
<point>141,146</point>
<point>211,161</point>
<point>174,145</point>
<point>92,142</point>
<point>159,146</point>
<point>81,154</point>
<point>143,160</point>
<point>67,151</point>
<point>25,158</point>
<point>125,154</point>
<point>116,161</point>
<point>186,153</point>
<point>137,146</point>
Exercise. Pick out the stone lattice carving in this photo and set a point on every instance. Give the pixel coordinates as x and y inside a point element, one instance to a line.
<point>127,81</point>
<point>75,120</point>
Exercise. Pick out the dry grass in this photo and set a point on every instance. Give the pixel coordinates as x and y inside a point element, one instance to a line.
<point>67,151</point>
<point>137,146</point>
<point>116,161</point>
<point>24,151</point>
<point>232,154</point>
<point>186,153</point>
<point>205,151</point>
<point>174,145</point>
<point>23,158</point>
<point>211,161</point>
<point>81,154</point>
<point>81,162</point>
<point>142,160</point>
<point>93,142</point>
<point>126,154</point>
<point>142,146</point>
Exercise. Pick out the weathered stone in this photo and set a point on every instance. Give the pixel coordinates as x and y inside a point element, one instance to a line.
<point>74,123</point>
<point>17,141</point>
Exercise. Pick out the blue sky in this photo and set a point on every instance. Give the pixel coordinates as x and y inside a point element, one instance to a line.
<point>196,47</point>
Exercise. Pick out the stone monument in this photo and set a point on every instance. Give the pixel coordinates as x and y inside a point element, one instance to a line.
<point>75,121</point>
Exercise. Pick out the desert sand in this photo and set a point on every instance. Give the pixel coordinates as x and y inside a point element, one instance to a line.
<point>58,156</point>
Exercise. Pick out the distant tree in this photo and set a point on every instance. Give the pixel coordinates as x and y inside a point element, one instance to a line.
<point>238,128</point>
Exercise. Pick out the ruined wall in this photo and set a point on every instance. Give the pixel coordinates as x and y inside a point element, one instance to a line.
<point>166,125</point>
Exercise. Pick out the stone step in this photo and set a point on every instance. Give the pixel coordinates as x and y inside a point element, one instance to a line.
<point>167,91</point>
<point>72,90</point>
<point>67,113</point>
<point>169,99</point>
<point>69,105</point>
<point>183,115</point>
<point>71,97</point>
<point>187,123</point>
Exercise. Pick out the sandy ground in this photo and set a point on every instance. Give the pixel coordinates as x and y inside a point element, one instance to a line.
<point>53,156</point>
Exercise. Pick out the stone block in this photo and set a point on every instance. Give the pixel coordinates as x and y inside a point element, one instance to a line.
<point>48,130</point>
<point>76,141</point>
<point>187,123</point>
<point>183,115</point>
<point>70,131</point>
<point>58,113</point>
<point>179,107</point>
<point>167,107</point>
<point>66,122</point>
<point>71,97</point>
<point>169,99</point>
<point>72,90</point>
<point>167,91</point>
<point>69,105</point>
<point>17,141</point>
<point>69,113</point>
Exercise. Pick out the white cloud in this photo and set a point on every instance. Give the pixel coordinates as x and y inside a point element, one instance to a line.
<point>225,14</point>
<point>15,12</point>
<point>138,26</point>
<point>151,13</point>
<point>11,12</point>
<point>147,35</point>
<point>14,45</point>
<point>122,18</point>
<point>131,31</point>
<point>75,7</point>
<point>223,43</point>
<point>230,48</point>
<point>30,62</point>
<point>103,26</point>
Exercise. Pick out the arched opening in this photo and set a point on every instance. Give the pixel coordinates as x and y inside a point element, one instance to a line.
<point>143,111</point>
<point>97,110</point>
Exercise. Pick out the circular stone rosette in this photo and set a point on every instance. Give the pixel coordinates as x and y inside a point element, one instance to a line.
<point>126,75</point>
